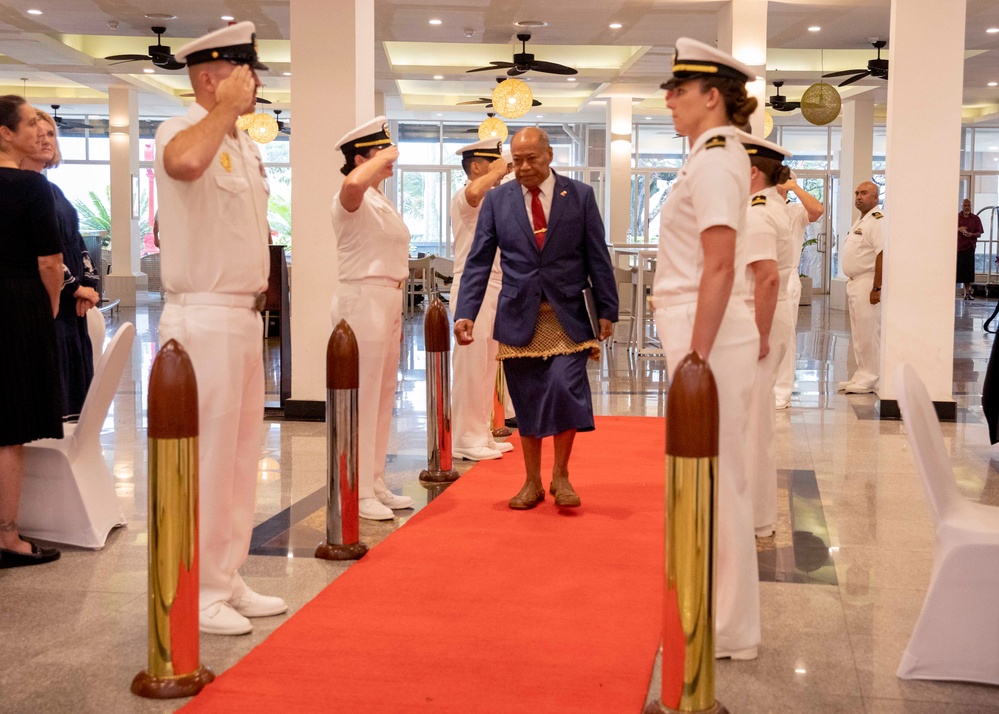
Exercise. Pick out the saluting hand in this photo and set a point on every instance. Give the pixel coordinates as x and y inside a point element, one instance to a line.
<point>388,155</point>
<point>463,332</point>
<point>238,91</point>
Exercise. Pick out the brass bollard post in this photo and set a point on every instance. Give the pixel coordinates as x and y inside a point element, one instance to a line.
<point>342,380</point>
<point>437,337</point>
<point>174,667</point>
<point>499,412</point>
<point>688,659</point>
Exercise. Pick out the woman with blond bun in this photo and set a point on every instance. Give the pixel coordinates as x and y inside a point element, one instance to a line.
<point>76,359</point>
<point>699,294</point>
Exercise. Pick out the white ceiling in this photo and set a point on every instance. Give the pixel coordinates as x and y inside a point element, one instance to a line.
<point>58,53</point>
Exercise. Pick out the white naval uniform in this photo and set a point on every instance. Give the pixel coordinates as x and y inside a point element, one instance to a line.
<point>768,237</point>
<point>860,251</point>
<point>712,189</point>
<point>798,217</point>
<point>213,233</point>
<point>373,253</point>
<point>474,365</point>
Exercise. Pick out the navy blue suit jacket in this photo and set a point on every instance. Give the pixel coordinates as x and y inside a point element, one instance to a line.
<point>574,256</point>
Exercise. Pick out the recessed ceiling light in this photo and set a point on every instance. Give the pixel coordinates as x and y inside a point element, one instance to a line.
<point>648,118</point>
<point>531,23</point>
<point>992,30</point>
<point>436,22</point>
<point>994,148</point>
<point>286,74</point>
<point>34,12</point>
<point>160,16</point>
<point>570,79</point>
<point>541,116</point>
<point>814,28</point>
<point>615,26</point>
<point>438,76</point>
<point>149,70</point>
<point>440,114</point>
<point>227,18</point>
<point>994,84</point>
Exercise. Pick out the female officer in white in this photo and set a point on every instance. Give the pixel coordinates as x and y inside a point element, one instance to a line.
<point>770,252</point>
<point>373,252</point>
<point>699,295</point>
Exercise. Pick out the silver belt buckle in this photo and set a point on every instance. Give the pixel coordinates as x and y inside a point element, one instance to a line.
<point>259,301</point>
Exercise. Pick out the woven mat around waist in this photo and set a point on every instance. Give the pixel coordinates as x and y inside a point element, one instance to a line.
<point>549,340</point>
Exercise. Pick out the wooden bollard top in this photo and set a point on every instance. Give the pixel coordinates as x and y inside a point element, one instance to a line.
<point>342,358</point>
<point>692,410</point>
<point>173,395</point>
<point>437,328</point>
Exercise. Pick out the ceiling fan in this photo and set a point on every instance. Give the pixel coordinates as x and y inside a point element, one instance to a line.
<point>875,68</point>
<point>66,123</point>
<point>159,54</point>
<point>284,129</point>
<point>488,101</point>
<point>779,103</point>
<point>523,61</point>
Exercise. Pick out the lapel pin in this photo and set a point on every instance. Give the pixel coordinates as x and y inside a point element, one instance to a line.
<point>563,193</point>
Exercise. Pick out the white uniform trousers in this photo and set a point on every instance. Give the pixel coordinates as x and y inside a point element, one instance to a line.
<point>733,362</point>
<point>374,314</point>
<point>785,373</point>
<point>865,330</point>
<point>226,349</point>
<point>474,375</point>
<point>761,460</point>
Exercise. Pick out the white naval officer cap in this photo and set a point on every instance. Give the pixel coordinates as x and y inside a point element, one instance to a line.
<point>756,146</point>
<point>508,156</point>
<point>236,43</point>
<point>487,149</point>
<point>694,59</point>
<point>374,133</point>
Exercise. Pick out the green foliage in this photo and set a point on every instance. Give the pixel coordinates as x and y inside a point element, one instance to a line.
<point>279,217</point>
<point>96,215</point>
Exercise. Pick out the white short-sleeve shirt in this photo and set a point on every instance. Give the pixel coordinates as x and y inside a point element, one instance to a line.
<point>213,230</point>
<point>712,189</point>
<point>768,237</point>
<point>463,220</point>
<point>863,243</point>
<point>373,241</point>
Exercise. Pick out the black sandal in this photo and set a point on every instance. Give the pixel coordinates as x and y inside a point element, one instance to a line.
<point>37,556</point>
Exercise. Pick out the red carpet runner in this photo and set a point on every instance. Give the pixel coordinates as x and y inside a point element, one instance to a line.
<point>472,607</point>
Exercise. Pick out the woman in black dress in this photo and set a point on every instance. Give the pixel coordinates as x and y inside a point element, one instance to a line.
<point>76,359</point>
<point>31,275</point>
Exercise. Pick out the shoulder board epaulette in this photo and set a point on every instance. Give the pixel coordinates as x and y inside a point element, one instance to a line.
<point>714,142</point>
<point>758,201</point>
<point>878,214</point>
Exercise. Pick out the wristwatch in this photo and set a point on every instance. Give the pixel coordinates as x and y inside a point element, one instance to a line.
<point>877,290</point>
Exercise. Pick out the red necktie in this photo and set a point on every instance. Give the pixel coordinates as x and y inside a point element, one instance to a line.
<point>538,213</point>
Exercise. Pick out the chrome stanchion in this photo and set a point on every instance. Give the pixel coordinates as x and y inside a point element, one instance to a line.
<point>174,668</point>
<point>342,524</point>
<point>437,337</point>
<point>688,659</point>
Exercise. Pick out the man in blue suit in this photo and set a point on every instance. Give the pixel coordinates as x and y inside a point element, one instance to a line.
<point>551,241</point>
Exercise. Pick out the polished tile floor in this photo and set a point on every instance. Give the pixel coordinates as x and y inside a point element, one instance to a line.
<point>844,576</point>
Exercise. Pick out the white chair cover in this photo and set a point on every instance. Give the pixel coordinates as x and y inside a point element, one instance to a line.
<point>957,634</point>
<point>68,494</point>
<point>97,329</point>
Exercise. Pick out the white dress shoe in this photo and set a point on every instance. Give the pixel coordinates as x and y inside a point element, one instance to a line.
<point>843,386</point>
<point>373,510</point>
<point>501,446</point>
<point>765,531</point>
<point>252,604</point>
<point>746,654</point>
<point>859,389</point>
<point>220,619</point>
<point>476,453</point>
<point>392,501</point>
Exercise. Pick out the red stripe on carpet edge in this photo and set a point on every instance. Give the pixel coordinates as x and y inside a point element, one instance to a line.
<point>472,607</point>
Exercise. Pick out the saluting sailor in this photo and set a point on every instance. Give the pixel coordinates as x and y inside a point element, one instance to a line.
<point>861,261</point>
<point>213,233</point>
<point>770,253</point>
<point>373,252</point>
<point>475,364</point>
<point>699,294</point>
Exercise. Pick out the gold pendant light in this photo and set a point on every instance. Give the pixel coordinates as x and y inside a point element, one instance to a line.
<point>512,98</point>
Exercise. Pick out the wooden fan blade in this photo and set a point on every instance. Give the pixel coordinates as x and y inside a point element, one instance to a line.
<point>535,103</point>
<point>843,72</point>
<point>480,100</point>
<point>853,79</point>
<point>493,66</point>
<point>552,68</point>
<point>261,100</point>
<point>515,72</point>
<point>128,58</point>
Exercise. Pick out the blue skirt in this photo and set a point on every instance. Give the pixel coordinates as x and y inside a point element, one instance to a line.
<point>551,394</point>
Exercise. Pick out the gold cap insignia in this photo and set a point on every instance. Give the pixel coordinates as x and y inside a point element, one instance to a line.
<point>226,162</point>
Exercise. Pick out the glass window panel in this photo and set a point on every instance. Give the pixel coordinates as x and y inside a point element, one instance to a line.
<point>147,210</point>
<point>986,150</point>
<point>835,142</point>
<point>279,204</point>
<point>809,144</point>
<point>98,143</point>
<point>73,144</point>
<point>659,146</point>
<point>88,187</point>
<point>636,226</point>
<point>659,186</point>
<point>278,151</point>
<point>880,148</point>
<point>984,197</point>
<point>423,210</point>
<point>967,134</point>
<point>457,136</point>
<point>596,145</point>
<point>419,143</point>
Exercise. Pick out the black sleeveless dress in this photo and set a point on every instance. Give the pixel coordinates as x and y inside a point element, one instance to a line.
<point>30,393</point>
